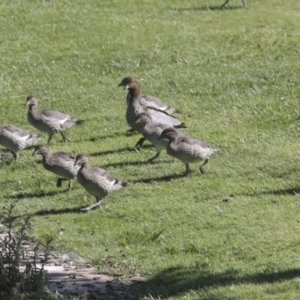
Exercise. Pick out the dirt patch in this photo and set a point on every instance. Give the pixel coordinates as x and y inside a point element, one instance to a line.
<point>68,275</point>
<point>77,278</point>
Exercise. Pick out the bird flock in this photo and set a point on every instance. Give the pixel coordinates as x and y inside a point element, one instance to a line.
<point>145,114</point>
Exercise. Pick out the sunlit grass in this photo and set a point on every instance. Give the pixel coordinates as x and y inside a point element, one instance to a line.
<point>229,234</point>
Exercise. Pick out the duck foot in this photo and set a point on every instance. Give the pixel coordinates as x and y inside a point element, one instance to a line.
<point>92,206</point>
<point>139,143</point>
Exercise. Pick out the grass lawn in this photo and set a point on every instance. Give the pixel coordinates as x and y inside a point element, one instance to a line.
<point>232,233</point>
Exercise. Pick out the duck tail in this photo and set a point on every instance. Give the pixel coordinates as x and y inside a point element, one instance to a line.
<point>177,111</point>
<point>80,122</point>
<point>182,125</point>
<point>124,183</point>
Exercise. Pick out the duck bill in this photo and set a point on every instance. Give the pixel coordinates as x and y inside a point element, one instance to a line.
<point>126,86</point>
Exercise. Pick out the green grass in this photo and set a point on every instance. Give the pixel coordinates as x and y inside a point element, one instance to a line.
<point>232,233</point>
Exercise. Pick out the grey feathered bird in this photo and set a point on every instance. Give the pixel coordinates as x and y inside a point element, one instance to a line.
<point>59,163</point>
<point>97,181</point>
<point>151,131</point>
<point>146,100</point>
<point>48,120</point>
<point>187,149</point>
<point>138,103</point>
<point>16,138</point>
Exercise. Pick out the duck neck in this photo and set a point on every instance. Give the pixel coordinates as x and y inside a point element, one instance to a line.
<point>84,165</point>
<point>46,157</point>
<point>134,92</point>
<point>171,140</point>
<point>32,107</point>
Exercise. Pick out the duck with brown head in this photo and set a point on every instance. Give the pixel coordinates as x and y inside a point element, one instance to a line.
<point>133,87</point>
<point>137,103</point>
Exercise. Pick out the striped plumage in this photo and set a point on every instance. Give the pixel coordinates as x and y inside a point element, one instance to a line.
<point>151,131</point>
<point>138,103</point>
<point>59,163</point>
<point>97,181</point>
<point>187,149</point>
<point>48,120</point>
<point>16,138</point>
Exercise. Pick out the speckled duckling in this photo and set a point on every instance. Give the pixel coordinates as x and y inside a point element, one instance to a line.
<point>16,138</point>
<point>138,103</point>
<point>59,163</point>
<point>97,181</point>
<point>187,149</point>
<point>151,131</point>
<point>48,120</point>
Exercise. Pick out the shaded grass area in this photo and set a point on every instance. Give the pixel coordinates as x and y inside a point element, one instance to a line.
<point>197,281</point>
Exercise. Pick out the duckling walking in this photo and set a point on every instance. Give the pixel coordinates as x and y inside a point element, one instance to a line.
<point>187,149</point>
<point>16,138</point>
<point>97,181</point>
<point>151,131</point>
<point>48,120</point>
<point>59,163</point>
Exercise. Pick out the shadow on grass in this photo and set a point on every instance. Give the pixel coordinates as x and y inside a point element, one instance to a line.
<point>176,281</point>
<point>58,140</point>
<point>104,137</point>
<point>134,163</point>
<point>290,191</point>
<point>159,179</point>
<point>119,150</point>
<point>25,195</point>
<point>109,136</point>
<point>58,211</point>
<point>280,192</point>
<point>206,7</point>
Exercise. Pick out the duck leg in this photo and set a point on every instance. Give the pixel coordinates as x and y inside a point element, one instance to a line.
<point>140,142</point>
<point>226,1</point>
<point>150,160</point>
<point>70,184</point>
<point>64,137</point>
<point>187,169</point>
<point>201,167</point>
<point>49,139</point>
<point>59,180</point>
<point>15,155</point>
<point>98,203</point>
